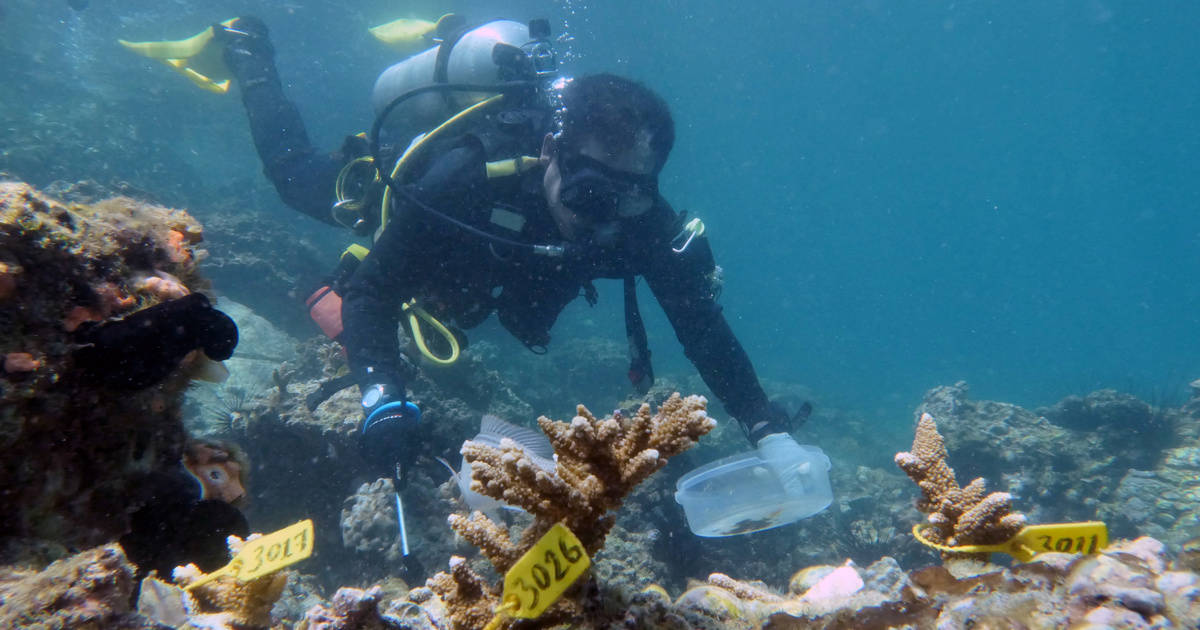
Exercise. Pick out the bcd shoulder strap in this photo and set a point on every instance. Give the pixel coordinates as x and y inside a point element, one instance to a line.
<point>641,372</point>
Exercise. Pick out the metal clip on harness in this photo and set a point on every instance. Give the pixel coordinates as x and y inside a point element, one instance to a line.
<point>684,239</point>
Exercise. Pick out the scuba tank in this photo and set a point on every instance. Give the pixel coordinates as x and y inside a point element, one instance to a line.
<point>501,50</point>
<point>432,92</point>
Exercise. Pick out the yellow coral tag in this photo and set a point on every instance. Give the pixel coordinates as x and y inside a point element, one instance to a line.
<point>1086,537</point>
<point>266,554</point>
<point>541,576</point>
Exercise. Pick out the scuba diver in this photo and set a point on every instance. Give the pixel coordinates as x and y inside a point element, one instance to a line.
<point>512,190</point>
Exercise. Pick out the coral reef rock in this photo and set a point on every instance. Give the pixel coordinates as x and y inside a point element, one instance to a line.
<point>82,447</point>
<point>369,521</point>
<point>253,265</point>
<point>351,609</point>
<point>1129,586</point>
<point>222,410</point>
<point>87,590</point>
<point>304,446</point>
<point>1070,472</point>
<point>1163,502</point>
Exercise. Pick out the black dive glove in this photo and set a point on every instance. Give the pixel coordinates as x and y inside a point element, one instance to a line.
<point>391,428</point>
<point>774,418</point>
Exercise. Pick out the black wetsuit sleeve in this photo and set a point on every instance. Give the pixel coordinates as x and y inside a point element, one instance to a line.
<point>404,257</point>
<point>683,285</point>
<point>303,176</point>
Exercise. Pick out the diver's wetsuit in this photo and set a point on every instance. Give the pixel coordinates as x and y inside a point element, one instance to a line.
<point>303,176</point>
<point>463,278</point>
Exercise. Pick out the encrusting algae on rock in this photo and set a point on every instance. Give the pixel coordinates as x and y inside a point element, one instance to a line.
<point>62,267</point>
<point>599,462</point>
<point>959,516</point>
<point>88,590</point>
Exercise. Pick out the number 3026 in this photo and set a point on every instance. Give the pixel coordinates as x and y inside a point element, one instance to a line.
<point>554,567</point>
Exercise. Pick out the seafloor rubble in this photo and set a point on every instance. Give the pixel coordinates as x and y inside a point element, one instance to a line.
<point>1131,584</point>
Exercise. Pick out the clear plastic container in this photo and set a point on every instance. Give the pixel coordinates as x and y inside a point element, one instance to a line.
<point>740,494</point>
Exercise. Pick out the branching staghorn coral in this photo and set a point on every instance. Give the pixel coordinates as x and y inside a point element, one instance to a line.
<point>959,516</point>
<point>599,462</point>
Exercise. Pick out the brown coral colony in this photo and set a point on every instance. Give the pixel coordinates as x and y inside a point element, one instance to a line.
<point>959,516</point>
<point>599,462</point>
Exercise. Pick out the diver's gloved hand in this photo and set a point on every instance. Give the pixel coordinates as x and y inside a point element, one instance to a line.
<point>788,460</point>
<point>391,429</point>
<point>247,48</point>
<point>771,419</point>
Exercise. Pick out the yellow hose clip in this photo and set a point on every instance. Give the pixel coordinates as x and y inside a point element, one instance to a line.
<point>690,231</point>
<point>416,314</point>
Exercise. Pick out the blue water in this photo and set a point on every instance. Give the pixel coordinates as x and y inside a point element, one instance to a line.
<point>904,195</point>
<point>901,194</point>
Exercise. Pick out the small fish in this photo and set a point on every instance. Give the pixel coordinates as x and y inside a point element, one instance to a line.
<point>492,432</point>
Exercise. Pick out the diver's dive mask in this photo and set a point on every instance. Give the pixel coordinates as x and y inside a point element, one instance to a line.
<point>602,193</point>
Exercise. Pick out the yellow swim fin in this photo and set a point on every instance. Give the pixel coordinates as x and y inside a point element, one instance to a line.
<point>409,36</point>
<point>192,57</point>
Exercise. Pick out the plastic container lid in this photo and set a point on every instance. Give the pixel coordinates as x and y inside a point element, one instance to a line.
<point>740,494</point>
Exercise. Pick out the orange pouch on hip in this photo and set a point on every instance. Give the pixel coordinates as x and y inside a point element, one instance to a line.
<point>325,308</point>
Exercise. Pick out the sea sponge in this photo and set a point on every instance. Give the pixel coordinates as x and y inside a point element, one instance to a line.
<point>16,362</point>
<point>105,300</point>
<point>162,286</point>
<point>176,247</point>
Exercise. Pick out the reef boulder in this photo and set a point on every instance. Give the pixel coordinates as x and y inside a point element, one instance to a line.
<point>82,447</point>
<point>88,590</point>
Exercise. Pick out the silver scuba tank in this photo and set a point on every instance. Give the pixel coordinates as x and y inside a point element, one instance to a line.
<point>468,60</point>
